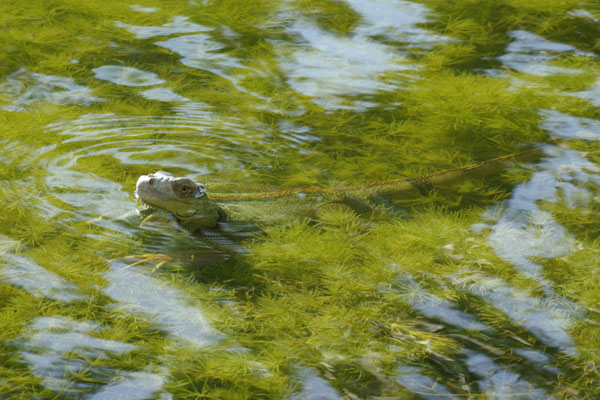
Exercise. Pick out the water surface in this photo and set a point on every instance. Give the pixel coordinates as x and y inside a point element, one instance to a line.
<point>487,288</point>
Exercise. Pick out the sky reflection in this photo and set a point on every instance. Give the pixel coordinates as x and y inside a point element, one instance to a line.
<point>500,383</point>
<point>179,24</point>
<point>165,306</point>
<point>546,318</point>
<point>423,386</point>
<point>395,20</point>
<point>435,307</point>
<point>127,76</point>
<point>531,54</point>
<point>24,88</point>
<point>36,279</point>
<point>522,231</point>
<point>68,359</point>
<point>327,66</point>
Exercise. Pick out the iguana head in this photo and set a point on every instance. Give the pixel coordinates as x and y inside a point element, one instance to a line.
<point>184,198</point>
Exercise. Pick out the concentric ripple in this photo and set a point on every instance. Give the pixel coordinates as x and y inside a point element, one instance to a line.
<point>193,140</point>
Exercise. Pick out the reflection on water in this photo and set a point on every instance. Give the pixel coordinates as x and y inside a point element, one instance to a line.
<point>539,359</point>
<point>500,383</point>
<point>70,361</point>
<point>202,52</point>
<point>180,24</point>
<point>133,386</point>
<point>547,318</point>
<point>36,279</point>
<point>424,386</point>
<point>531,54</point>
<point>163,94</point>
<point>66,357</point>
<point>325,66</point>
<point>127,76</point>
<point>25,88</point>
<point>227,93</point>
<point>435,307</point>
<point>570,127</point>
<point>138,8</point>
<point>398,21</point>
<point>315,388</point>
<point>525,231</point>
<point>169,308</point>
<point>583,14</point>
<point>88,193</point>
<point>592,94</point>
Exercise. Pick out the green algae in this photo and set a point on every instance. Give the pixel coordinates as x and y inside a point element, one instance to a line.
<point>330,295</point>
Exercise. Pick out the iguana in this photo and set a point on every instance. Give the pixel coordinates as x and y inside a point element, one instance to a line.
<point>197,208</point>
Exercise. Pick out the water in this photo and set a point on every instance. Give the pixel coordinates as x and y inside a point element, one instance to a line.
<point>484,289</point>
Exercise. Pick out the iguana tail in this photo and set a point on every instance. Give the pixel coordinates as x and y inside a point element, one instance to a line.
<point>441,178</point>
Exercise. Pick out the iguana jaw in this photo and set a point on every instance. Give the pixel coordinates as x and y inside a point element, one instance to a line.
<point>182,197</point>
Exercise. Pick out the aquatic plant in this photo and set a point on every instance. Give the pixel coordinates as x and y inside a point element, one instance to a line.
<point>487,288</point>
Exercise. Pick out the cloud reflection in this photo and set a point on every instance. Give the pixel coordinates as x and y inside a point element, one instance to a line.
<point>166,306</point>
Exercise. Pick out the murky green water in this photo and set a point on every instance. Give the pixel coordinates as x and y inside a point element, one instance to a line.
<point>488,289</point>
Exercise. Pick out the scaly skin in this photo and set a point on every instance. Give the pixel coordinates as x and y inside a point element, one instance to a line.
<point>197,209</point>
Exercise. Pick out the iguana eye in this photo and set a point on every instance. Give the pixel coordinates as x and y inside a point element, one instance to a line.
<point>184,189</point>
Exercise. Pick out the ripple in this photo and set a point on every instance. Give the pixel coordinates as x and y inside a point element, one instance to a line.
<point>163,94</point>
<point>187,139</point>
<point>59,350</point>
<point>544,317</point>
<point>500,383</point>
<point>397,20</point>
<point>523,230</point>
<point>201,51</point>
<point>193,139</point>
<point>592,94</point>
<point>127,76</point>
<point>531,54</point>
<point>434,307</point>
<point>570,127</point>
<point>37,280</point>
<point>327,67</point>
<point>132,386</point>
<point>142,9</point>
<point>424,386</point>
<point>179,24</point>
<point>24,88</point>
<point>166,306</point>
<point>314,387</point>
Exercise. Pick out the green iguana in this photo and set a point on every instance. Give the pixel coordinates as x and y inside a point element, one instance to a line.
<point>197,208</point>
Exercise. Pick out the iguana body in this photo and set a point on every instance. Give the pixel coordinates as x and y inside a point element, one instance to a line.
<point>197,209</point>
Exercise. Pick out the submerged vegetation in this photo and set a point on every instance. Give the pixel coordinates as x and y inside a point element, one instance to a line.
<point>488,289</point>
